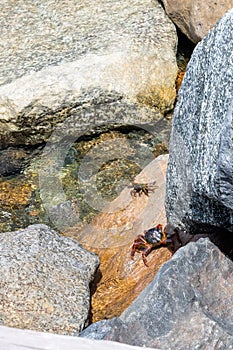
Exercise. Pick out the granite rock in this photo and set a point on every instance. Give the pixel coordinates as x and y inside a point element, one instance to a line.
<point>195,18</point>
<point>55,55</point>
<point>188,305</point>
<point>199,189</point>
<point>44,281</point>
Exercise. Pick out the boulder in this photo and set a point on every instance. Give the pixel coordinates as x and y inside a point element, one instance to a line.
<point>87,61</point>
<point>199,189</point>
<point>195,18</point>
<point>127,215</point>
<point>44,281</point>
<point>111,235</point>
<point>188,305</point>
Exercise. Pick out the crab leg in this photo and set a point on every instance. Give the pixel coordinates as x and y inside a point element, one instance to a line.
<point>133,251</point>
<point>139,242</point>
<point>145,253</point>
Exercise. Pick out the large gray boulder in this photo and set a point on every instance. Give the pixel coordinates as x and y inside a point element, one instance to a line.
<point>199,192</point>
<point>55,54</point>
<point>196,17</point>
<point>44,281</point>
<point>189,305</point>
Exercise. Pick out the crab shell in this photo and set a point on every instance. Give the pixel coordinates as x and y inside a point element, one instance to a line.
<point>154,235</point>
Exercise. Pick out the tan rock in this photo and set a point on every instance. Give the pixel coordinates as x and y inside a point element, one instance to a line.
<point>196,17</point>
<point>111,235</point>
<point>128,50</point>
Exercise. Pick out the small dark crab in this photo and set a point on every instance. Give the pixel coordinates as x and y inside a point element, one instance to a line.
<point>140,188</point>
<point>156,237</point>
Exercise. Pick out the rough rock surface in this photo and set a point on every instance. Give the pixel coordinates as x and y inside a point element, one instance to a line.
<point>111,234</point>
<point>56,54</point>
<point>196,17</point>
<point>188,305</point>
<point>127,216</point>
<point>12,339</point>
<point>44,280</point>
<point>12,160</point>
<point>199,192</point>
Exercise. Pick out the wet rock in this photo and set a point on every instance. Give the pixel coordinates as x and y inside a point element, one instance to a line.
<point>111,235</point>
<point>200,174</point>
<point>14,194</point>
<point>188,305</point>
<point>96,171</point>
<point>195,18</point>
<point>129,215</point>
<point>44,281</point>
<point>12,161</point>
<point>65,70</point>
<point>18,204</point>
<point>21,194</point>
<point>121,280</point>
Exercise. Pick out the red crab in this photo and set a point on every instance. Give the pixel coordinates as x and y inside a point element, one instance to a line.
<point>155,237</point>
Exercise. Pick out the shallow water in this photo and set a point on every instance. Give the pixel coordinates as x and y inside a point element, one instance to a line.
<point>94,173</point>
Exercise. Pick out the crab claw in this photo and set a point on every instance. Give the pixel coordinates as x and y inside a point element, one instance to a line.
<point>159,227</point>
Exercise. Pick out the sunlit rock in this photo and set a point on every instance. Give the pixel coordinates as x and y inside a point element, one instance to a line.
<point>195,18</point>
<point>44,281</point>
<point>188,305</point>
<point>91,62</point>
<point>199,193</point>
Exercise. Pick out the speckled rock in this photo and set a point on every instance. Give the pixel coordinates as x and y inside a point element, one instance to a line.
<point>55,54</point>
<point>195,18</point>
<point>199,190</point>
<point>44,281</point>
<point>189,305</point>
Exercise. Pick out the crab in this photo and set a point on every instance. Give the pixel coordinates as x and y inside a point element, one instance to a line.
<point>140,188</point>
<point>156,237</point>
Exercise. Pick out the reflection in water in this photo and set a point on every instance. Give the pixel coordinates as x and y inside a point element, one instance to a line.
<point>20,201</point>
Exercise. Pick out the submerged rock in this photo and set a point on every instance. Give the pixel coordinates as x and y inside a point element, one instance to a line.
<point>64,69</point>
<point>195,18</point>
<point>12,161</point>
<point>188,305</point>
<point>199,192</point>
<point>44,281</point>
